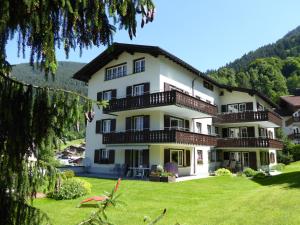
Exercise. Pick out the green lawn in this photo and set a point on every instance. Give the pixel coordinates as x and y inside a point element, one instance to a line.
<point>215,200</point>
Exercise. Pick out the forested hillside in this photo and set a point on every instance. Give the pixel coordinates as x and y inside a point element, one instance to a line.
<point>273,69</point>
<point>63,78</point>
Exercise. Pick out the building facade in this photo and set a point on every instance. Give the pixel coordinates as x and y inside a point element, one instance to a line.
<point>290,111</point>
<point>163,110</point>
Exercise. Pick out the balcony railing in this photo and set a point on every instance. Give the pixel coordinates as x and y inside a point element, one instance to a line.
<point>294,119</point>
<point>294,136</point>
<point>160,99</point>
<point>249,143</point>
<point>249,116</point>
<point>159,136</point>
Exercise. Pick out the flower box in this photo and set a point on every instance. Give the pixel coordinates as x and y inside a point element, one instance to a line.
<point>154,178</point>
<point>168,179</point>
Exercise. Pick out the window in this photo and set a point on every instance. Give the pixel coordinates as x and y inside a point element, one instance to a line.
<point>212,156</point>
<point>233,108</point>
<point>106,125</point>
<point>262,132</point>
<point>208,85</point>
<point>242,107</point>
<point>177,157</point>
<point>138,123</point>
<point>270,134</point>
<point>139,65</point>
<point>234,132</point>
<point>107,95</point>
<point>176,123</point>
<point>116,72</point>
<point>208,129</point>
<point>138,90</point>
<point>200,157</point>
<point>104,154</point>
<point>245,159</point>
<point>198,127</point>
<point>244,132</point>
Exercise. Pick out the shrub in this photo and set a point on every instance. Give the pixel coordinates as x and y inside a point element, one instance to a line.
<point>222,172</point>
<point>171,168</point>
<point>71,188</point>
<point>68,174</point>
<point>259,175</point>
<point>278,167</point>
<point>249,172</point>
<point>284,158</point>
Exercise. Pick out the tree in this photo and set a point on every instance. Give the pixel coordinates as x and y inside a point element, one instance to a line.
<point>32,118</point>
<point>225,76</point>
<point>293,81</point>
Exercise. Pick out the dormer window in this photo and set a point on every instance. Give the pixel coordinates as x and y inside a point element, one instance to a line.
<point>139,65</point>
<point>116,72</point>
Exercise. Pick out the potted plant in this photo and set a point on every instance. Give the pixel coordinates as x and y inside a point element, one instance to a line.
<point>167,177</point>
<point>155,174</point>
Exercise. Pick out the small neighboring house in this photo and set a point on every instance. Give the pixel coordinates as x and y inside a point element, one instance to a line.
<point>162,110</point>
<point>290,111</point>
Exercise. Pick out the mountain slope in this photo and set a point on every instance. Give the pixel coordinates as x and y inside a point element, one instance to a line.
<point>288,46</point>
<point>63,78</point>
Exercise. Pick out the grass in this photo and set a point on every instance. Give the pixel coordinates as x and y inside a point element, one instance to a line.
<point>215,200</point>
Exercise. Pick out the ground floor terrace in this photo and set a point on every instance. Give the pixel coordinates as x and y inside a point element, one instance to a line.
<point>140,160</point>
<point>215,200</point>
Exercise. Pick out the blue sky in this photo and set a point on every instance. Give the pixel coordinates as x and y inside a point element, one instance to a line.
<point>205,33</point>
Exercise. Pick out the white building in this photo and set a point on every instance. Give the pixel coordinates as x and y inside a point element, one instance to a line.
<point>290,111</point>
<point>162,110</point>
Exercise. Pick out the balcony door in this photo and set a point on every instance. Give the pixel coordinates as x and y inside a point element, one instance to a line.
<point>138,90</point>
<point>233,108</point>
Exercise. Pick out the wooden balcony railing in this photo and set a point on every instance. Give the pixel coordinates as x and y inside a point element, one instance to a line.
<point>249,116</point>
<point>294,136</point>
<point>160,99</point>
<point>159,136</point>
<point>294,119</point>
<point>249,143</point>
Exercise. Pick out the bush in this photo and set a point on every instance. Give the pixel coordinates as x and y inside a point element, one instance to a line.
<point>71,188</point>
<point>171,168</point>
<point>278,167</point>
<point>222,172</point>
<point>249,172</point>
<point>284,158</point>
<point>68,174</point>
<point>259,175</point>
<point>296,152</point>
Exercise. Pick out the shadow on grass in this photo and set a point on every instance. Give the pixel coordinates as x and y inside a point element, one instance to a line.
<point>89,206</point>
<point>290,180</point>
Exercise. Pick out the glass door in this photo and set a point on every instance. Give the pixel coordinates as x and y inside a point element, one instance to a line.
<point>245,159</point>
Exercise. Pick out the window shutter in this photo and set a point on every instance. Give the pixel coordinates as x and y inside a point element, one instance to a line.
<point>188,158</point>
<point>100,156</point>
<point>146,88</point>
<point>167,156</point>
<point>111,157</point>
<point>187,125</point>
<point>98,126</point>
<point>167,122</point>
<point>250,131</point>
<point>113,125</point>
<point>226,156</point>
<point>96,156</point>
<point>224,108</point>
<point>224,132</point>
<point>129,91</point>
<point>99,96</point>
<point>167,87</point>
<point>146,157</point>
<point>146,122</point>
<point>128,161</point>
<point>113,94</point>
<point>128,124</point>
<point>249,106</point>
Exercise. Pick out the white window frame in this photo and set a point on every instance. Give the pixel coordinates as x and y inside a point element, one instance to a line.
<point>106,125</point>
<point>199,130</point>
<point>242,107</point>
<point>138,123</point>
<point>116,72</point>
<point>179,154</point>
<point>233,132</point>
<point>138,90</point>
<point>104,154</point>
<point>139,65</point>
<point>233,108</point>
<point>209,129</point>
<point>107,95</point>
<point>178,127</point>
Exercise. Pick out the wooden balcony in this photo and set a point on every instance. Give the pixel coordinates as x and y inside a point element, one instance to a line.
<point>159,136</point>
<point>294,119</point>
<point>160,99</point>
<point>294,136</point>
<point>249,143</point>
<point>249,116</point>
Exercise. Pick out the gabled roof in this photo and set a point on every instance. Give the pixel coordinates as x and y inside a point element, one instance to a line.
<point>111,53</point>
<point>294,101</point>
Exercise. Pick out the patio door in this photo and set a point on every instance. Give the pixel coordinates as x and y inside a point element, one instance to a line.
<point>136,158</point>
<point>245,159</point>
